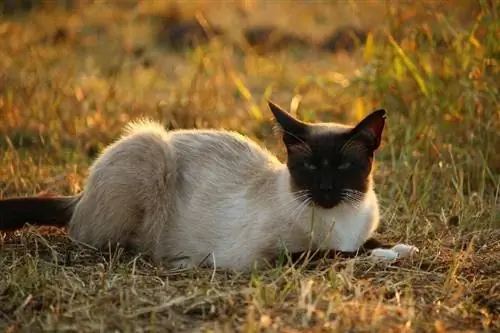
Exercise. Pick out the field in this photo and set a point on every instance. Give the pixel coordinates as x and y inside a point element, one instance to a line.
<point>70,79</point>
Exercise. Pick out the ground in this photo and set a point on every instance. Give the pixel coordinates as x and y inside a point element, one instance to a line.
<point>69,81</point>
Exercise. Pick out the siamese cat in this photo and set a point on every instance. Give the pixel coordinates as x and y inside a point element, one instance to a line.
<point>216,198</point>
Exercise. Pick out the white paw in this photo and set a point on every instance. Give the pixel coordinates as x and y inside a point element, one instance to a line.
<point>404,250</point>
<point>398,251</point>
<point>384,255</point>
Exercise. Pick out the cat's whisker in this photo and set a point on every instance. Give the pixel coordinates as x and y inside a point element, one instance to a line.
<point>301,199</point>
<point>353,200</point>
<point>350,202</point>
<point>304,206</point>
<point>300,196</point>
<point>354,193</point>
<point>300,192</point>
<point>290,207</point>
<point>297,213</point>
<point>357,196</point>
<point>356,202</point>
<point>299,209</point>
<point>287,206</point>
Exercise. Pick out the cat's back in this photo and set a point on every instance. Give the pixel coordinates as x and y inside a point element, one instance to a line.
<point>202,157</point>
<point>205,144</point>
<point>218,148</point>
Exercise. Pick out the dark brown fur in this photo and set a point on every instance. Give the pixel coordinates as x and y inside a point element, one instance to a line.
<point>49,211</point>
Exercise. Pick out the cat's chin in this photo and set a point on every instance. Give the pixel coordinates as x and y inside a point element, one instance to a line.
<point>325,204</point>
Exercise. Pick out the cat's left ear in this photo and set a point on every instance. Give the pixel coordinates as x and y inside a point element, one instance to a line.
<point>294,130</point>
<point>371,128</point>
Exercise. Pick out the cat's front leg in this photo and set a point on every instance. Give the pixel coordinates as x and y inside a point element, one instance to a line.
<point>388,252</point>
<point>376,249</point>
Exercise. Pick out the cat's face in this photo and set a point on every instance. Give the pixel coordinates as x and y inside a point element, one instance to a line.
<point>330,164</point>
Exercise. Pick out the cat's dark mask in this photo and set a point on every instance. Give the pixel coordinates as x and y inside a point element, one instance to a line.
<point>329,162</point>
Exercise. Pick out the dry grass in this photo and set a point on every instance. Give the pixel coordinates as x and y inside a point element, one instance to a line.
<point>68,82</point>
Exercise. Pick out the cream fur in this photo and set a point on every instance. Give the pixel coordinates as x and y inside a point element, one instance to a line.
<point>209,196</point>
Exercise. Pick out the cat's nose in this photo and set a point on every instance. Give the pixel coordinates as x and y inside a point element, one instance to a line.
<point>326,187</point>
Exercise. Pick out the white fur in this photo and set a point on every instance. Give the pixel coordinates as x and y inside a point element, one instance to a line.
<point>398,251</point>
<point>208,196</point>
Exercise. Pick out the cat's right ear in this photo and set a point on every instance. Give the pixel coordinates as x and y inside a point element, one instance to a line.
<point>371,128</point>
<point>293,129</point>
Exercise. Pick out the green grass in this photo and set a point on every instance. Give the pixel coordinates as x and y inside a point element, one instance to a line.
<point>434,67</point>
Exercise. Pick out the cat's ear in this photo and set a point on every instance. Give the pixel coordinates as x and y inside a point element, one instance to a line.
<point>293,129</point>
<point>371,128</point>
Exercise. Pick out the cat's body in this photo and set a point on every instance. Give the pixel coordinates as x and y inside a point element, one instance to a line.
<point>191,197</point>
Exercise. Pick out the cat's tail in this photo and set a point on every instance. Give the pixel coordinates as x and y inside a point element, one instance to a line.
<point>40,211</point>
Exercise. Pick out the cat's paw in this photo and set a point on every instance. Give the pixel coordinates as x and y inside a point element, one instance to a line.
<point>404,250</point>
<point>387,255</point>
<point>396,252</point>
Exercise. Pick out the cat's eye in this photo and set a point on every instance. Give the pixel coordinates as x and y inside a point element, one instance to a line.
<point>309,166</point>
<point>344,166</point>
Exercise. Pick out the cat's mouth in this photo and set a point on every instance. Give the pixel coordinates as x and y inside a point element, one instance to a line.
<point>331,199</point>
<point>326,199</point>
<point>320,199</point>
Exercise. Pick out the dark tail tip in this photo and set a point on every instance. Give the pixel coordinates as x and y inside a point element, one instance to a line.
<point>42,211</point>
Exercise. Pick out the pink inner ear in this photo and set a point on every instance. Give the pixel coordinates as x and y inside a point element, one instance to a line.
<point>376,127</point>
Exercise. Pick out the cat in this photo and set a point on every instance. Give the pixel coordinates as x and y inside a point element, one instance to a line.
<point>206,197</point>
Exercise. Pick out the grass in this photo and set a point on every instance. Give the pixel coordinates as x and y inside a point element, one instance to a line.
<point>69,81</point>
